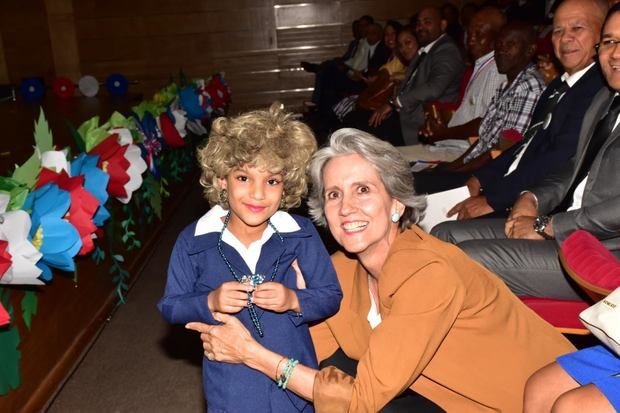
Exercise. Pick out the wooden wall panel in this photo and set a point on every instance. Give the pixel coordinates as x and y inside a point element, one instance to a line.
<point>25,36</point>
<point>150,40</point>
<point>4,72</point>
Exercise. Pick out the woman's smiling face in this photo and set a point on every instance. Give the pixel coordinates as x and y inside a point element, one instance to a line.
<point>357,206</point>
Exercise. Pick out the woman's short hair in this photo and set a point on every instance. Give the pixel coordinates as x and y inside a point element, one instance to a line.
<point>391,167</point>
<point>269,139</point>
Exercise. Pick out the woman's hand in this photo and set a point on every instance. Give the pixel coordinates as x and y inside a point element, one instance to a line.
<point>230,297</point>
<point>229,342</point>
<point>275,297</point>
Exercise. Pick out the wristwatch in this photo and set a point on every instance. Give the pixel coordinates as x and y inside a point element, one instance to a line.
<point>540,223</point>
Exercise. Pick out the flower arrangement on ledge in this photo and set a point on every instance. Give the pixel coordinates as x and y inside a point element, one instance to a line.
<point>55,207</point>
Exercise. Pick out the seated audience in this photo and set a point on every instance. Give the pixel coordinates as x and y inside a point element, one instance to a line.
<point>551,139</point>
<point>508,114</point>
<point>416,312</point>
<point>379,86</point>
<point>340,80</point>
<point>584,381</point>
<point>580,195</point>
<point>360,29</point>
<point>485,80</point>
<point>434,75</point>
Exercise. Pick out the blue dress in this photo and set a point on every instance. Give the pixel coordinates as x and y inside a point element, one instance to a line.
<point>595,365</point>
<point>196,268</point>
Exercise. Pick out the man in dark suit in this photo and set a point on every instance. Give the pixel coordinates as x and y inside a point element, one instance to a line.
<point>551,139</point>
<point>523,251</point>
<point>434,75</point>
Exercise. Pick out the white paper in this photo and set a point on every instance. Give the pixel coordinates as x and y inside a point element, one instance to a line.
<point>438,205</point>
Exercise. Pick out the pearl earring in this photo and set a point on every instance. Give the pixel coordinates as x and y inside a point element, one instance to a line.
<point>395,217</point>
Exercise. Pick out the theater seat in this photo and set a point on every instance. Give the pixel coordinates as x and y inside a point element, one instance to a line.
<point>562,314</point>
<point>590,264</point>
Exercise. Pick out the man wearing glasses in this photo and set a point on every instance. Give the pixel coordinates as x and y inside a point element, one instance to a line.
<point>584,194</point>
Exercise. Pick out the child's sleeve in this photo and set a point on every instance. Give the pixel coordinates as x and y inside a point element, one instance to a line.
<point>181,303</point>
<point>321,297</point>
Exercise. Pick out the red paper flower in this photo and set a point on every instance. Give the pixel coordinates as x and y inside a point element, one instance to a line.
<point>4,316</point>
<point>83,205</point>
<point>169,131</point>
<point>5,258</point>
<point>112,161</point>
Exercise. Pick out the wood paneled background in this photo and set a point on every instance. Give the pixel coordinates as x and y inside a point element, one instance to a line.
<point>257,43</point>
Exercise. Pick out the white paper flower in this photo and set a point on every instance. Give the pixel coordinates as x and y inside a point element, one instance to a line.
<point>14,228</point>
<point>136,164</point>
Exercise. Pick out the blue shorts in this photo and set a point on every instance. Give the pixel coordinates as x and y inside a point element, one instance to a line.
<point>595,365</point>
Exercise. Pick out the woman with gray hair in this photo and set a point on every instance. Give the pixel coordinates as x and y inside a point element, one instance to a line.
<point>416,312</point>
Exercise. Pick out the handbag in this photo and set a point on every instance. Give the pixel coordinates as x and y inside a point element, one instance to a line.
<point>603,320</point>
<point>377,93</point>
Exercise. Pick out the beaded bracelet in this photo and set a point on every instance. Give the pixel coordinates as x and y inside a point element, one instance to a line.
<point>287,371</point>
<point>278,368</point>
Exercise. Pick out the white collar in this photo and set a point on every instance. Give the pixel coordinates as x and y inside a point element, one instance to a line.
<point>574,78</point>
<point>429,46</point>
<point>212,221</point>
<point>483,59</point>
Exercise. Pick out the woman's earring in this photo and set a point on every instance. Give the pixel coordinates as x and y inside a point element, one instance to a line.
<point>283,202</point>
<point>223,195</point>
<point>395,217</point>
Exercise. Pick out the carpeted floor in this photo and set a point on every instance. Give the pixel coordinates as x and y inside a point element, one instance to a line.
<point>139,363</point>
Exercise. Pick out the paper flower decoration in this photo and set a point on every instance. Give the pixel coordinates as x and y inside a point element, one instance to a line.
<point>171,134</point>
<point>15,227</point>
<point>121,160</point>
<point>4,316</point>
<point>218,91</point>
<point>190,103</point>
<point>95,182</point>
<point>53,236</point>
<point>83,204</point>
<point>5,257</point>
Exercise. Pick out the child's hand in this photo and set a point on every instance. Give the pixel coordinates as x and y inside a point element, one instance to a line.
<point>275,297</point>
<point>230,297</point>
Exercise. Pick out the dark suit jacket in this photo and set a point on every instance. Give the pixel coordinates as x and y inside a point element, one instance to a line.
<point>379,57</point>
<point>549,149</point>
<point>600,207</point>
<point>438,78</point>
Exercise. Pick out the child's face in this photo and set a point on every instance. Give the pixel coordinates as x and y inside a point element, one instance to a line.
<point>253,195</point>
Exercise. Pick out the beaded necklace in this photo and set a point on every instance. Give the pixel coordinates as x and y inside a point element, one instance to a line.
<point>252,279</point>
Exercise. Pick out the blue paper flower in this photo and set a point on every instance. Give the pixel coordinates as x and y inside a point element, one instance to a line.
<point>95,182</point>
<point>53,236</point>
<point>190,103</point>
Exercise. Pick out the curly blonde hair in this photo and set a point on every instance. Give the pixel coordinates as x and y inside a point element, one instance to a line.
<point>270,139</point>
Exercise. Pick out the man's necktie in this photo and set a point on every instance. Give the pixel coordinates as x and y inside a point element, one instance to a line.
<point>414,70</point>
<point>543,117</point>
<point>602,131</point>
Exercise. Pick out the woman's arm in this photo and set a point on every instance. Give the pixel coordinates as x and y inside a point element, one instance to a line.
<point>231,342</point>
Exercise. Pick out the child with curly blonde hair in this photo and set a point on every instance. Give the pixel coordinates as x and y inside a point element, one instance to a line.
<point>246,256</point>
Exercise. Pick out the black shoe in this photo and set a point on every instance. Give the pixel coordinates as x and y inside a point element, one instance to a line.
<point>310,67</point>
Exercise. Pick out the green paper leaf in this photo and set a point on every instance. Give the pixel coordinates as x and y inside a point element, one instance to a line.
<point>92,133</point>
<point>117,120</point>
<point>29,307</point>
<point>79,141</point>
<point>28,173</point>
<point>9,353</point>
<point>9,359</point>
<point>16,190</point>
<point>42,134</point>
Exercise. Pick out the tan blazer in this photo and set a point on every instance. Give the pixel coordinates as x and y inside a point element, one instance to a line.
<point>451,330</point>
